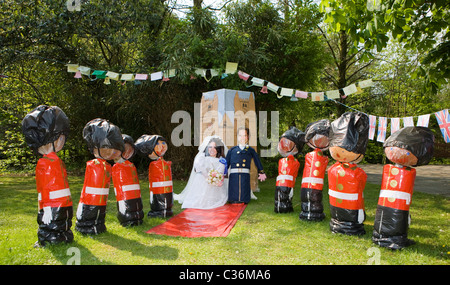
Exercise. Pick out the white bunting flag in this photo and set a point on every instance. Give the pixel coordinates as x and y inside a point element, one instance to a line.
<point>365,83</point>
<point>372,126</point>
<point>286,92</point>
<point>333,94</point>
<point>395,125</point>
<point>350,89</point>
<point>408,122</point>
<point>423,120</point>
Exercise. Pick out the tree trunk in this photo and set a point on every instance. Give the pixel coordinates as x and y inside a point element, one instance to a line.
<point>342,69</point>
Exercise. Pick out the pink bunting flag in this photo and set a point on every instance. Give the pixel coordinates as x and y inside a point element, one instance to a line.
<point>264,90</point>
<point>423,120</point>
<point>301,94</point>
<point>77,74</point>
<point>382,125</point>
<point>443,119</point>
<point>139,76</point>
<point>395,125</point>
<point>242,75</point>
<point>372,126</point>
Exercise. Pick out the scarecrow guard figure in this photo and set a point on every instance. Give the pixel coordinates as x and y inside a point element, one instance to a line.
<point>126,186</point>
<point>46,130</point>
<point>407,148</point>
<point>318,138</point>
<point>105,142</point>
<point>291,143</point>
<point>346,181</point>
<point>159,175</point>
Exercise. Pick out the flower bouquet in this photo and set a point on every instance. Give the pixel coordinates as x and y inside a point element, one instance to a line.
<point>215,178</point>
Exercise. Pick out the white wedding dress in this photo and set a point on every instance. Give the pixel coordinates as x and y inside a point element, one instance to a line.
<point>198,194</point>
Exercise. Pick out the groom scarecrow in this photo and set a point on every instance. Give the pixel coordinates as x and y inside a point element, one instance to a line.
<point>239,159</point>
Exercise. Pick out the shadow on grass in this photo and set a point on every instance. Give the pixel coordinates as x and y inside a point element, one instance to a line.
<point>66,254</point>
<point>155,252</point>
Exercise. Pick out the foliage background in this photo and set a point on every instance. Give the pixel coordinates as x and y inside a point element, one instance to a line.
<point>284,42</point>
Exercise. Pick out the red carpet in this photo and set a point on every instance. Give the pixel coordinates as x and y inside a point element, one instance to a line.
<point>216,222</point>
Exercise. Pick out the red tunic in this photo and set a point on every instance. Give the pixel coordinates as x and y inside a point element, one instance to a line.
<point>160,176</point>
<point>346,183</point>
<point>314,170</point>
<point>96,183</point>
<point>287,171</point>
<point>397,187</point>
<point>51,182</point>
<point>126,181</point>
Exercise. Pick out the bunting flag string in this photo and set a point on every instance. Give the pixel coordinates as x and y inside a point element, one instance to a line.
<point>231,68</point>
<point>442,116</point>
<point>208,74</point>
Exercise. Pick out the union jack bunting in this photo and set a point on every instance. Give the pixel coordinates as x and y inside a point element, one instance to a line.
<point>382,125</point>
<point>373,125</point>
<point>423,120</point>
<point>395,125</point>
<point>408,122</point>
<point>443,120</point>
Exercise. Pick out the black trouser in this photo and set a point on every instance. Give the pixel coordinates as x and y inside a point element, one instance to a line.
<point>390,228</point>
<point>58,230</point>
<point>133,213</point>
<point>345,221</point>
<point>92,221</point>
<point>161,205</point>
<point>283,201</point>
<point>312,207</point>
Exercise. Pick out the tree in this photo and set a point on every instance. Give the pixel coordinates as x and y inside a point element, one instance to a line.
<point>39,37</point>
<point>420,25</point>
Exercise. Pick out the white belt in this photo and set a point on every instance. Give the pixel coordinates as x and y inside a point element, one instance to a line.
<point>131,187</point>
<point>312,180</point>
<point>56,194</point>
<point>396,194</point>
<point>239,170</point>
<point>285,177</point>
<point>96,191</point>
<point>161,184</point>
<point>343,196</point>
<point>59,193</point>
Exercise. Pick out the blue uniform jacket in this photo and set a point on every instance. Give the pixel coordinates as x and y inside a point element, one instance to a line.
<point>239,183</point>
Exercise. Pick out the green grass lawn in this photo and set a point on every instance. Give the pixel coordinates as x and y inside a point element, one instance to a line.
<point>260,237</point>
